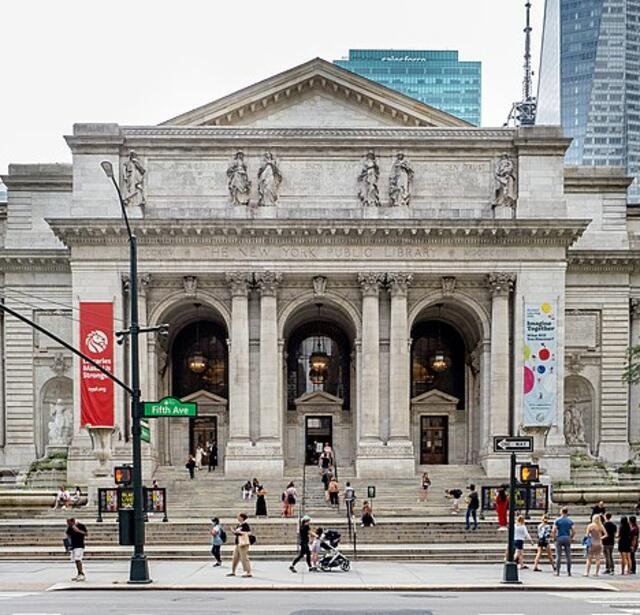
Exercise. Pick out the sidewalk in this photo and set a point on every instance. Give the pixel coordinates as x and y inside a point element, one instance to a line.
<point>275,576</point>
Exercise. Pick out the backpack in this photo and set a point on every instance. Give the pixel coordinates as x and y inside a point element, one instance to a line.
<point>222,535</point>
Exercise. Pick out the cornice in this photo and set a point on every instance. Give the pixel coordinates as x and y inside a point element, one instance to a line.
<point>39,178</point>
<point>51,261</point>
<point>313,232</point>
<point>612,261</point>
<point>595,180</point>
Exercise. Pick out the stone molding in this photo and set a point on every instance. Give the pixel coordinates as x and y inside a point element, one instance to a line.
<point>239,282</point>
<point>50,261</point>
<point>501,283</point>
<point>398,283</point>
<point>624,261</point>
<point>321,232</point>
<point>267,282</point>
<point>371,283</point>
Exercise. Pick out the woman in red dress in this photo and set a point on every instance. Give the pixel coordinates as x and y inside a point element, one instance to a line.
<point>502,509</point>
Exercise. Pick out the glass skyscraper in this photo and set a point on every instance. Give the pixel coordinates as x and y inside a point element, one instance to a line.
<point>599,81</point>
<point>436,78</point>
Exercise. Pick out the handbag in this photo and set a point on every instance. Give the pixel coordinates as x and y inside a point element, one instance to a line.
<point>252,539</point>
<point>67,544</point>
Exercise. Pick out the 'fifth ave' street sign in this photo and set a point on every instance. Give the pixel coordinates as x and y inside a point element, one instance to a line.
<point>512,444</point>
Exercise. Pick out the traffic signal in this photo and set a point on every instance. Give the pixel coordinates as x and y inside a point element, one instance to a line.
<point>529,473</point>
<point>122,475</point>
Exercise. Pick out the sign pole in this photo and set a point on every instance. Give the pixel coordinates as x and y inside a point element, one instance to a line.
<point>510,573</point>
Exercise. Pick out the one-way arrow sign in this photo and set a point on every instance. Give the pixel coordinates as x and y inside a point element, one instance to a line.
<point>512,444</point>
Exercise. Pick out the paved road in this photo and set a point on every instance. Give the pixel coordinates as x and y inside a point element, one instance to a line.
<point>152,602</point>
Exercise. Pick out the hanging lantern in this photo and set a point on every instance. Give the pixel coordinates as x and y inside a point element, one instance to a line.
<point>319,359</point>
<point>440,361</point>
<point>197,361</point>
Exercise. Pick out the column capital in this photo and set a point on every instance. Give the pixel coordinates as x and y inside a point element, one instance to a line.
<point>501,283</point>
<point>267,282</point>
<point>239,282</point>
<point>370,283</point>
<point>398,283</point>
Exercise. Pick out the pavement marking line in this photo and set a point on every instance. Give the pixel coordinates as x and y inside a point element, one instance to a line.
<point>9,595</point>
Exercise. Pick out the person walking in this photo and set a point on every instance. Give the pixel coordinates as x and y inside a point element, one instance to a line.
<point>521,533</point>
<point>624,546</point>
<point>76,535</point>
<point>544,545</point>
<point>473,503</point>
<point>191,466</point>
<point>367,519</point>
<point>594,533</point>
<point>199,456</point>
<point>349,498</point>
<point>634,541</point>
<point>217,539</point>
<point>563,533</point>
<point>243,541</point>
<point>502,509</point>
<point>316,547</point>
<point>212,456</point>
<point>303,544</point>
<point>334,492</point>
<point>425,483</point>
<point>289,499</point>
<point>608,542</point>
<point>261,502</point>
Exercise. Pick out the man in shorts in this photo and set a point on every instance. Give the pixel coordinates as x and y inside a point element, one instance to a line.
<point>454,495</point>
<point>76,533</point>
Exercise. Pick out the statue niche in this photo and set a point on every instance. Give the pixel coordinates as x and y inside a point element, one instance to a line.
<point>578,412</point>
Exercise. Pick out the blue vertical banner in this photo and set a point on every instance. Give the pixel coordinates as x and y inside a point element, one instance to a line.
<point>540,377</point>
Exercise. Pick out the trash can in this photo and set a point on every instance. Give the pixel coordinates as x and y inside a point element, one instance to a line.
<point>126,527</point>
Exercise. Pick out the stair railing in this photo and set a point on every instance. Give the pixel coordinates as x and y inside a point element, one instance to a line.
<point>303,499</point>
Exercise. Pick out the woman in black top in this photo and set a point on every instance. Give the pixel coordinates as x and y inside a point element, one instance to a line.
<point>304,544</point>
<point>243,535</point>
<point>624,545</point>
<point>261,503</point>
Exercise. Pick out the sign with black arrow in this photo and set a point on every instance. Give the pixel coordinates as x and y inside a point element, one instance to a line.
<point>512,444</point>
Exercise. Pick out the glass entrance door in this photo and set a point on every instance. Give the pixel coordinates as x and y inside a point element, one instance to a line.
<point>318,431</point>
<point>434,434</point>
<point>204,429</point>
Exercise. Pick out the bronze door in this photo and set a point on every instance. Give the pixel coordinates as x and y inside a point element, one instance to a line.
<point>204,429</point>
<point>434,433</point>
<point>318,431</point>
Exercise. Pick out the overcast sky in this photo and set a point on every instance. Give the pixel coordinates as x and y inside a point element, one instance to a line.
<point>142,62</point>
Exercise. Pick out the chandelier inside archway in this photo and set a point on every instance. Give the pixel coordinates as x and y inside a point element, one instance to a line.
<point>440,360</point>
<point>319,359</point>
<point>197,361</point>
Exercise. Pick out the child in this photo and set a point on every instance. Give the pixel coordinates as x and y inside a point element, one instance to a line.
<point>521,534</point>
<point>316,547</point>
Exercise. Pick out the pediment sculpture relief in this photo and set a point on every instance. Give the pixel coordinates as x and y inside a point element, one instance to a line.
<point>269,180</point>
<point>238,180</point>
<point>400,181</point>
<point>133,181</point>
<point>368,181</point>
<point>60,425</point>
<point>505,177</point>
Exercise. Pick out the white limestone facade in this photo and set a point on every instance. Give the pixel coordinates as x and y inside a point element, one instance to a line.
<point>459,260</point>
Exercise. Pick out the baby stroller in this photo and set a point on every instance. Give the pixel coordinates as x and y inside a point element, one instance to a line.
<point>332,557</point>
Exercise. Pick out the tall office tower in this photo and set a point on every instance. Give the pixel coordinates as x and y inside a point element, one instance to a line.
<point>596,91</point>
<point>436,78</point>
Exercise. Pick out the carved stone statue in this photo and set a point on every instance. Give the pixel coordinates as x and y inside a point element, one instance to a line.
<point>269,180</point>
<point>60,430</point>
<point>238,180</point>
<point>133,181</point>
<point>368,181</point>
<point>505,176</point>
<point>574,423</point>
<point>400,181</point>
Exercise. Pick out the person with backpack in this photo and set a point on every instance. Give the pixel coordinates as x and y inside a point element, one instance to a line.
<point>303,543</point>
<point>289,498</point>
<point>349,498</point>
<point>218,538</point>
<point>544,544</point>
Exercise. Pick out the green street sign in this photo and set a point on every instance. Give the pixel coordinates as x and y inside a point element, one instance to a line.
<point>145,434</point>
<point>168,406</point>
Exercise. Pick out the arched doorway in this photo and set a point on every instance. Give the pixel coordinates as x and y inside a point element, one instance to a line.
<point>319,407</point>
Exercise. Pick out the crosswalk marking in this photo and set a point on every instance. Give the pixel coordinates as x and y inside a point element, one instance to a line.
<point>10,595</point>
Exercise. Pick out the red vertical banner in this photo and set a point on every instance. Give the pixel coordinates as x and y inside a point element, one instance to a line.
<point>96,341</point>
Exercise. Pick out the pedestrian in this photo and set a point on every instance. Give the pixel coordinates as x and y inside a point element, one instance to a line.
<point>367,519</point>
<point>212,456</point>
<point>624,545</point>
<point>154,484</point>
<point>521,533</point>
<point>334,492</point>
<point>599,509</point>
<point>325,462</point>
<point>243,540</point>
<point>326,479</point>
<point>594,533</point>
<point>247,491</point>
<point>289,499</point>
<point>261,502</point>
<point>425,483</point>
<point>303,544</point>
<point>349,498</point>
<point>316,547</point>
<point>63,498</point>
<point>473,503</point>
<point>76,498</point>
<point>563,533</point>
<point>255,483</point>
<point>199,456</point>
<point>191,466</point>
<point>544,544</point>
<point>608,543</point>
<point>218,536</point>
<point>454,495</point>
<point>634,541</point>
<point>76,536</point>
<point>502,509</point>
<point>328,450</point>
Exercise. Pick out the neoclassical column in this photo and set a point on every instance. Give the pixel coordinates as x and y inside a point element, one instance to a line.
<point>634,389</point>
<point>370,365</point>
<point>399,358</point>
<point>267,283</point>
<point>239,357</point>
<point>500,287</point>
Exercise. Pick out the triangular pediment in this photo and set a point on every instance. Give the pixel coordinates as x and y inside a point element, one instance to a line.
<point>316,94</point>
<point>435,396</point>
<point>204,397</point>
<point>318,398</point>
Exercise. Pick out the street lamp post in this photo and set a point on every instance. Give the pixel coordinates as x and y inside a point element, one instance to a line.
<point>139,569</point>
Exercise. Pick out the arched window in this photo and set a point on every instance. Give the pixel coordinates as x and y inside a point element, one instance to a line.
<point>210,339</point>
<point>429,337</point>
<point>302,343</point>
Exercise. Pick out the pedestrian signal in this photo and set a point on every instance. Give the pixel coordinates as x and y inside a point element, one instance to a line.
<point>529,473</point>
<point>122,475</point>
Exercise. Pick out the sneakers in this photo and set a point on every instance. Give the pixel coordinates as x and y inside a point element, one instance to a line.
<point>292,569</point>
<point>79,577</point>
